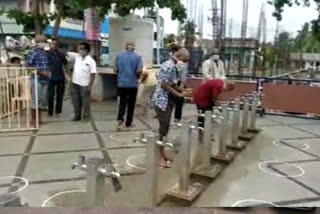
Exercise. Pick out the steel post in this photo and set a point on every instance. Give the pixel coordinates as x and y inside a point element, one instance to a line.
<point>205,168</point>
<point>224,131</point>
<point>253,117</point>
<point>152,161</point>
<point>245,116</point>
<point>95,183</point>
<point>183,190</point>
<point>235,143</point>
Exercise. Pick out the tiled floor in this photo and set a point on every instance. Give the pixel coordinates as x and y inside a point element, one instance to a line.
<point>45,158</point>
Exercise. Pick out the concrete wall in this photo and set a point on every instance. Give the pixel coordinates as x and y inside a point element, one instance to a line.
<point>131,28</point>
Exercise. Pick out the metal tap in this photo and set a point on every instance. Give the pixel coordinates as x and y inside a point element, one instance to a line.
<point>140,139</point>
<point>108,172</point>
<point>164,144</point>
<point>80,163</point>
<point>176,125</point>
<point>195,126</point>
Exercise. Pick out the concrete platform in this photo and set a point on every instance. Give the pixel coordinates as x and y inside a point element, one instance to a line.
<point>44,158</point>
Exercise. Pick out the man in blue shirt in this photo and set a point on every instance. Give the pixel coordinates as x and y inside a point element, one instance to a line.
<point>128,66</point>
<point>56,61</point>
<point>37,59</point>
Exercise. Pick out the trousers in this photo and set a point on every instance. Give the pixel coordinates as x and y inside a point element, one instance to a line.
<point>128,97</point>
<point>164,118</point>
<point>55,90</point>
<point>81,101</point>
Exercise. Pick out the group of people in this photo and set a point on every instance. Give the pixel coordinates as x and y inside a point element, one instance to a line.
<point>50,63</point>
<point>165,88</point>
<point>168,91</point>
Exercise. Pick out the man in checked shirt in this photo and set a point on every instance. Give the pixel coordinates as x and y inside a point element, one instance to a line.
<point>37,59</point>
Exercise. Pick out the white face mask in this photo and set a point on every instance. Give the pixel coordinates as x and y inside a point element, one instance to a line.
<point>83,53</point>
<point>42,45</point>
<point>215,57</point>
<point>181,66</point>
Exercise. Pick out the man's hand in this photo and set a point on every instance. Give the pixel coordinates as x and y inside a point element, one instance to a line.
<point>187,92</point>
<point>90,89</point>
<point>138,74</point>
<point>45,74</point>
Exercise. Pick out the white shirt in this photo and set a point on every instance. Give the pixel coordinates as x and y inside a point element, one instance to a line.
<point>82,69</point>
<point>210,70</point>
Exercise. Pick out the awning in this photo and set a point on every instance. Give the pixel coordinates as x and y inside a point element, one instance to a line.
<point>66,33</point>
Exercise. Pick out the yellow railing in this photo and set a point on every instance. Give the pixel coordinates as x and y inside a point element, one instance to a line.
<point>15,99</point>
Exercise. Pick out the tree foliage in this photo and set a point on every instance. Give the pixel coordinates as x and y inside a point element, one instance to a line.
<point>279,8</point>
<point>75,8</point>
<point>171,38</point>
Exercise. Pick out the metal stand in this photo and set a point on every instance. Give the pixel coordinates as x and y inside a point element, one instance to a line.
<point>253,118</point>
<point>205,167</point>
<point>235,143</point>
<point>152,167</point>
<point>96,171</point>
<point>183,190</point>
<point>222,153</point>
<point>244,134</point>
<point>11,200</point>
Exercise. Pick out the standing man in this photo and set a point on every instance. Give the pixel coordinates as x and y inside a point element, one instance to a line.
<point>213,68</point>
<point>165,92</point>
<point>84,73</point>
<point>128,66</point>
<point>37,59</point>
<point>56,60</point>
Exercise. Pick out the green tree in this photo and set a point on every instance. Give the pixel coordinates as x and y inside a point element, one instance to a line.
<point>279,8</point>
<point>36,21</point>
<point>284,48</point>
<point>170,38</point>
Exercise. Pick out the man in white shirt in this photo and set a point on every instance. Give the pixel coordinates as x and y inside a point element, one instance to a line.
<point>213,68</point>
<point>84,73</point>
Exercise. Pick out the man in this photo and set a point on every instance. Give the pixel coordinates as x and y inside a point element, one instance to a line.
<point>147,85</point>
<point>56,60</point>
<point>213,68</point>
<point>128,66</point>
<point>84,73</point>
<point>165,92</point>
<point>206,95</point>
<point>37,59</point>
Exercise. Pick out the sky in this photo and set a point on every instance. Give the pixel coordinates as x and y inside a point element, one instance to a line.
<point>293,18</point>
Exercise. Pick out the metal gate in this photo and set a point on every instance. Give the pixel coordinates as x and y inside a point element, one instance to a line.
<point>15,99</point>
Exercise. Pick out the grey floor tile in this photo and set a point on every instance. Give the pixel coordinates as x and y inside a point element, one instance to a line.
<point>65,143</point>
<point>65,127</point>
<point>54,166</point>
<point>13,145</point>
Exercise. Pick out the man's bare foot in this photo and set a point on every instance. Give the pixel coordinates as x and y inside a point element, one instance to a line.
<point>120,126</point>
<point>164,163</point>
<point>168,154</point>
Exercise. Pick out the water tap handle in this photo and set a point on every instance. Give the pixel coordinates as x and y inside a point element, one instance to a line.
<point>107,170</point>
<point>176,125</point>
<point>139,138</point>
<point>80,161</point>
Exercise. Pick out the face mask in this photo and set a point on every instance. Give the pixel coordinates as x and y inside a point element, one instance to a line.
<point>82,52</point>
<point>181,66</point>
<point>42,45</point>
<point>215,57</point>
